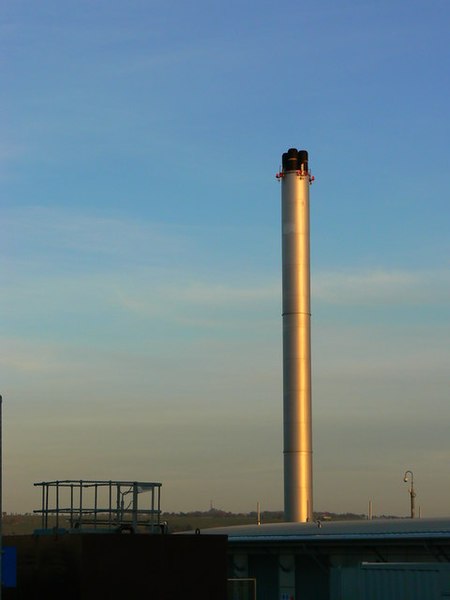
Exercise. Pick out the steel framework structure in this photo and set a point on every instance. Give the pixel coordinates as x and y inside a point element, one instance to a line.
<point>110,505</point>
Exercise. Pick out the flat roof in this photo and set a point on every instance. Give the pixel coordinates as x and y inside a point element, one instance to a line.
<point>324,531</point>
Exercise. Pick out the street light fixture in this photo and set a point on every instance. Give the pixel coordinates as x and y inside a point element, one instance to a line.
<point>409,476</point>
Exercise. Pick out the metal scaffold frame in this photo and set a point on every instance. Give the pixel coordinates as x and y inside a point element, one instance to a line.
<point>110,505</point>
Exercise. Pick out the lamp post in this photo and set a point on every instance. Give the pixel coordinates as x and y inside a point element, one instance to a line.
<point>409,476</point>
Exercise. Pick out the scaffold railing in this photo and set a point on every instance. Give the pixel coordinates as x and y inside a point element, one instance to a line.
<point>112,505</point>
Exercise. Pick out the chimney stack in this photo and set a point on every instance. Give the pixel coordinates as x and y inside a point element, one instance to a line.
<point>295,181</point>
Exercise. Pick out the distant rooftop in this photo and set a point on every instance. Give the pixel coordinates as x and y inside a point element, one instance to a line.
<point>324,531</point>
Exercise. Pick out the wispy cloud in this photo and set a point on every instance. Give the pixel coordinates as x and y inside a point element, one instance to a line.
<point>382,286</point>
<point>38,231</point>
<point>58,262</point>
<point>61,262</point>
<point>191,292</point>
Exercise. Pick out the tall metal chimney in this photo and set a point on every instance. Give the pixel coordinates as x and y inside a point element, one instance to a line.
<point>295,181</point>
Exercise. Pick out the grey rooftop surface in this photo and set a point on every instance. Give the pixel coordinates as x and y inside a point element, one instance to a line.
<point>324,531</point>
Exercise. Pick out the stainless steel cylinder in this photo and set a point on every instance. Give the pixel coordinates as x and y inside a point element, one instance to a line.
<point>297,424</point>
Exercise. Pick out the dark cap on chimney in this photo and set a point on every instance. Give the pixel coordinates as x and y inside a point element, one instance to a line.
<point>295,160</point>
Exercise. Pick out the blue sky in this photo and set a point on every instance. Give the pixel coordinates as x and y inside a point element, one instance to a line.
<point>141,281</point>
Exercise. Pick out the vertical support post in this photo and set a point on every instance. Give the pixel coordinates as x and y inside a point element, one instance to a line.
<point>413,502</point>
<point>118,504</point>
<point>159,503</point>
<point>81,505</point>
<point>47,488</point>
<point>57,505</point>
<point>71,506</point>
<point>95,504</point>
<point>409,476</point>
<point>110,503</point>
<point>42,506</point>
<point>152,508</point>
<point>135,506</point>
